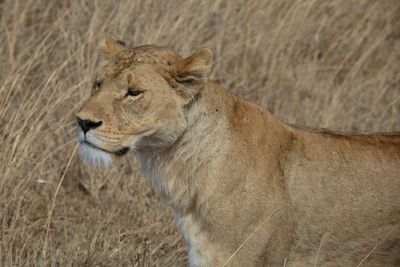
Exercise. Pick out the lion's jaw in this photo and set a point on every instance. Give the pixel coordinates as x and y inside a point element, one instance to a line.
<point>91,150</point>
<point>93,155</point>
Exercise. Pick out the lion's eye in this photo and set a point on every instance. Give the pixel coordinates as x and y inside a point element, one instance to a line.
<point>97,83</point>
<point>96,86</point>
<point>133,92</point>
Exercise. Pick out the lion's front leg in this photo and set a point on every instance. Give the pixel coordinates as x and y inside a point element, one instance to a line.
<point>202,251</point>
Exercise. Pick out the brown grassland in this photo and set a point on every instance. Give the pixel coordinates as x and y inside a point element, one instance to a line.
<point>333,64</point>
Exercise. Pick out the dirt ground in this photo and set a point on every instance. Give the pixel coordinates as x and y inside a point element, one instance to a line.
<point>331,64</point>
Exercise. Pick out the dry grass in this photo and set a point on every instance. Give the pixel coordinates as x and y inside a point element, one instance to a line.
<point>318,63</point>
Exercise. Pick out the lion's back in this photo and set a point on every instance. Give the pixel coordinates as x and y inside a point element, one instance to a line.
<point>345,191</point>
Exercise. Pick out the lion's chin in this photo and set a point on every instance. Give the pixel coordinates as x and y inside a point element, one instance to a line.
<point>95,156</point>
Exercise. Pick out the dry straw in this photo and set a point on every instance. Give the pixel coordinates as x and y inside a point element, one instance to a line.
<point>317,63</point>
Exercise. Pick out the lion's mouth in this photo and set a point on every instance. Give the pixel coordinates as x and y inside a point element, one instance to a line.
<point>118,153</point>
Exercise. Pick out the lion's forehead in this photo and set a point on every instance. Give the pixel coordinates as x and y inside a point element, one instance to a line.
<point>149,54</point>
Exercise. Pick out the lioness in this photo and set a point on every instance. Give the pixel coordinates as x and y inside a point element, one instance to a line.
<point>245,188</point>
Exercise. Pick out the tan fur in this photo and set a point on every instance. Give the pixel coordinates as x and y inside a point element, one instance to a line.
<point>246,189</point>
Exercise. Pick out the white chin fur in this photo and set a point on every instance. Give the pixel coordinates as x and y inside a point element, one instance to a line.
<point>94,156</point>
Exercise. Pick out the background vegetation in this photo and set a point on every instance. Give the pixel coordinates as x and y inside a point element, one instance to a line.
<point>318,63</point>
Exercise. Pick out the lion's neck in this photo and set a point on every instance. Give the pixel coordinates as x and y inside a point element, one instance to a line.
<point>180,173</point>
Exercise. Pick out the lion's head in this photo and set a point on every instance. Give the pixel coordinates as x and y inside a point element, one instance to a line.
<point>139,99</point>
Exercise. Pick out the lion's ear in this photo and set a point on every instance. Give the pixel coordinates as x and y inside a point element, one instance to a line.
<point>112,47</point>
<point>196,67</point>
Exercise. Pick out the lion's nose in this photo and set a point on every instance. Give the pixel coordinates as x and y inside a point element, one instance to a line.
<point>87,125</point>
